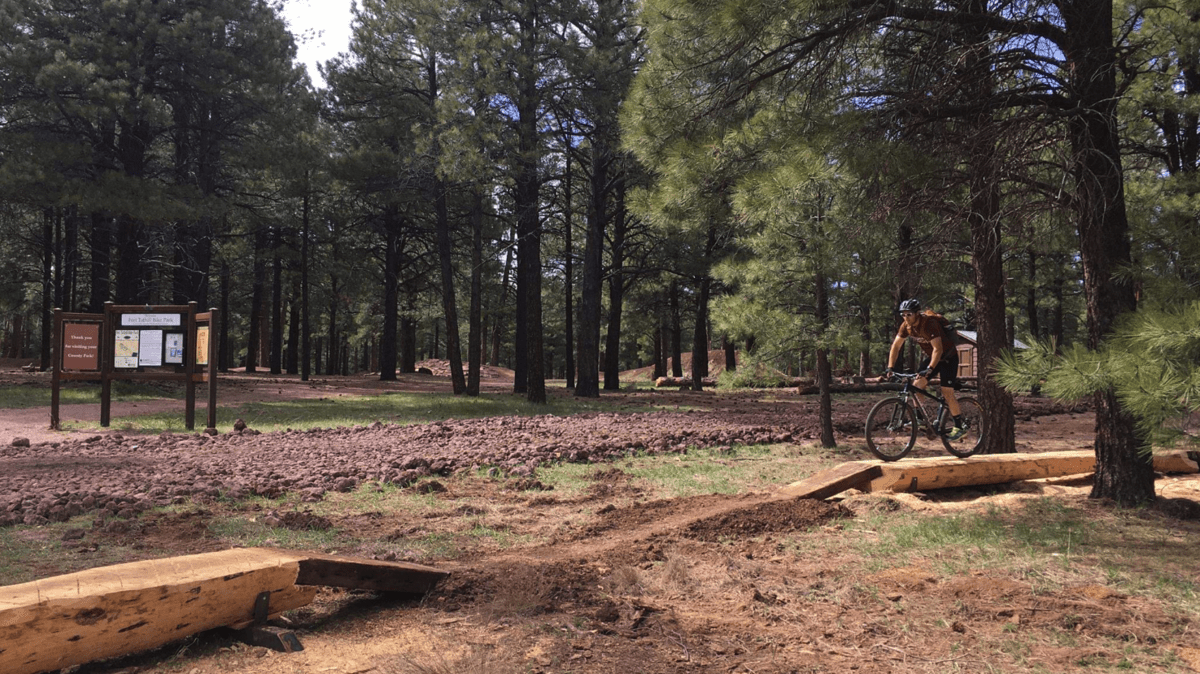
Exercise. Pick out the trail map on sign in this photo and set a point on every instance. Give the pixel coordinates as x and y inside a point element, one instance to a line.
<point>125,349</point>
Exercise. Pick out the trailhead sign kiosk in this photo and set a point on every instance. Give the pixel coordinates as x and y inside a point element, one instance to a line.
<point>136,343</point>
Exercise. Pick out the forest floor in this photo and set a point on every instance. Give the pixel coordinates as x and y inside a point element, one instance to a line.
<point>648,538</point>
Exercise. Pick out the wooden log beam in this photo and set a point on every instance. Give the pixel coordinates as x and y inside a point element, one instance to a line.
<point>850,475</point>
<point>910,475</point>
<point>68,620</point>
<point>109,611</point>
<point>941,473</point>
<point>368,574</point>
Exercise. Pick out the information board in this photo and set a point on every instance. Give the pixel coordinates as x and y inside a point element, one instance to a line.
<point>136,343</point>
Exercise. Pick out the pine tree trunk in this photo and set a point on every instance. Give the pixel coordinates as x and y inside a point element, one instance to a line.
<point>47,285</point>
<point>257,289</point>
<point>824,371</point>
<point>498,322</point>
<point>616,298</point>
<point>305,324</point>
<point>676,332</point>
<point>1123,473</point>
<point>591,285</point>
<point>700,336</point>
<point>391,298</point>
<point>864,354</point>
<point>276,354</point>
<point>660,364</point>
<point>475,319</point>
<point>101,255</point>
<point>458,383</point>
<point>224,345</point>
<point>568,273</point>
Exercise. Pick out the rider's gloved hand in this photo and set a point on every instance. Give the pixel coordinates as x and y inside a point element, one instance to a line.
<point>924,373</point>
<point>889,374</point>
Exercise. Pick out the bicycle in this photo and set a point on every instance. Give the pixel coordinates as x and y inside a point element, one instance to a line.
<point>892,424</point>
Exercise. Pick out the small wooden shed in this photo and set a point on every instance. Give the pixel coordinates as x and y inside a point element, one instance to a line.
<point>968,354</point>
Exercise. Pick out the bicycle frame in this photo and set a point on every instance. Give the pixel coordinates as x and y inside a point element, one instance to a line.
<point>924,422</point>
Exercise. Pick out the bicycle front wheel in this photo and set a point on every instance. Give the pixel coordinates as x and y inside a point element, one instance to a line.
<point>891,429</point>
<point>972,416</point>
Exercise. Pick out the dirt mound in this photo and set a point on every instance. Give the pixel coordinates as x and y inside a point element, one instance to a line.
<point>441,368</point>
<point>773,517</point>
<point>716,365</point>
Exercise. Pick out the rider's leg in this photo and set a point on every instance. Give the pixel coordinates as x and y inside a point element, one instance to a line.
<point>951,401</point>
<point>948,374</point>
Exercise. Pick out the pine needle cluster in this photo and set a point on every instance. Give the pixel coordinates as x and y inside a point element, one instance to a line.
<point>1151,361</point>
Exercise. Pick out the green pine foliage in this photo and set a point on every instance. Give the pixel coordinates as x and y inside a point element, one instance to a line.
<point>1152,361</point>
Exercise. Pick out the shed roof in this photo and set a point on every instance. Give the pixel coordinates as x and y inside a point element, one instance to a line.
<point>973,337</point>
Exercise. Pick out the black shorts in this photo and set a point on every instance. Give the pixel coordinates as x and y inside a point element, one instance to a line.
<point>946,370</point>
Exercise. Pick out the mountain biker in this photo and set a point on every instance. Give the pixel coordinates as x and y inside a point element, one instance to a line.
<point>932,333</point>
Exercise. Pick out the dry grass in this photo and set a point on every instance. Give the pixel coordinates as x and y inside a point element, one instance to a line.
<point>474,660</point>
<point>625,580</point>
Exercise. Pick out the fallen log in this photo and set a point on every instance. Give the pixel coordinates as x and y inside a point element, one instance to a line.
<point>109,611</point>
<point>682,382</point>
<point>909,475</point>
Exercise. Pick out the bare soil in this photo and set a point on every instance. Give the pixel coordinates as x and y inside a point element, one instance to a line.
<point>610,581</point>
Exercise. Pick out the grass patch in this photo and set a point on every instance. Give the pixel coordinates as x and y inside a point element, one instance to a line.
<point>22,397</point>
<point>252,532</point>
<point>29,553</point>
<point>699,471</point>
<point>334,411</point>
<point>1044,542</point>
<point>710,471</point>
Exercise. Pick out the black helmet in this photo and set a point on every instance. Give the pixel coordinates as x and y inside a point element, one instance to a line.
<point>913,305</point>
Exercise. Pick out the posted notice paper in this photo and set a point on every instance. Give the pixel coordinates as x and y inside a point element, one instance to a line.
<point>150,354</point>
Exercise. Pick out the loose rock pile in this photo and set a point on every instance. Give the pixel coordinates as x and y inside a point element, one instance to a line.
<point>126,475</point>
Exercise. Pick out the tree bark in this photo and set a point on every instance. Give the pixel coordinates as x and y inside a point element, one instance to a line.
<point>700,336</point>
<point>824,371</point>
<point>391,295</point>
<point>987,253</point>
<point>47,285</point>
<point>475,320</point>
<point>568,271</point>
<point>449,303</point>
<point>257,289</point>
<point>101,255</point>
<point>1123,473</point>
<point>224,345</point>
<point>498,312</point>
<point>616,300</point>
<point>305,324</point>
<point>591,285</point>
<point>1031,305</point>
<point>276,353</point>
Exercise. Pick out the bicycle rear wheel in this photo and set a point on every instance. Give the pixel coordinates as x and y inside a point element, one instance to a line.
<point>972,416</point>
<point>891,429</point>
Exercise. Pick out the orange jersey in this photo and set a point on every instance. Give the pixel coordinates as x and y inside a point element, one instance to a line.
<point>929,326</point>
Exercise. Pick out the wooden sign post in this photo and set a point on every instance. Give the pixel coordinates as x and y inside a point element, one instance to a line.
<point>136,343</point>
